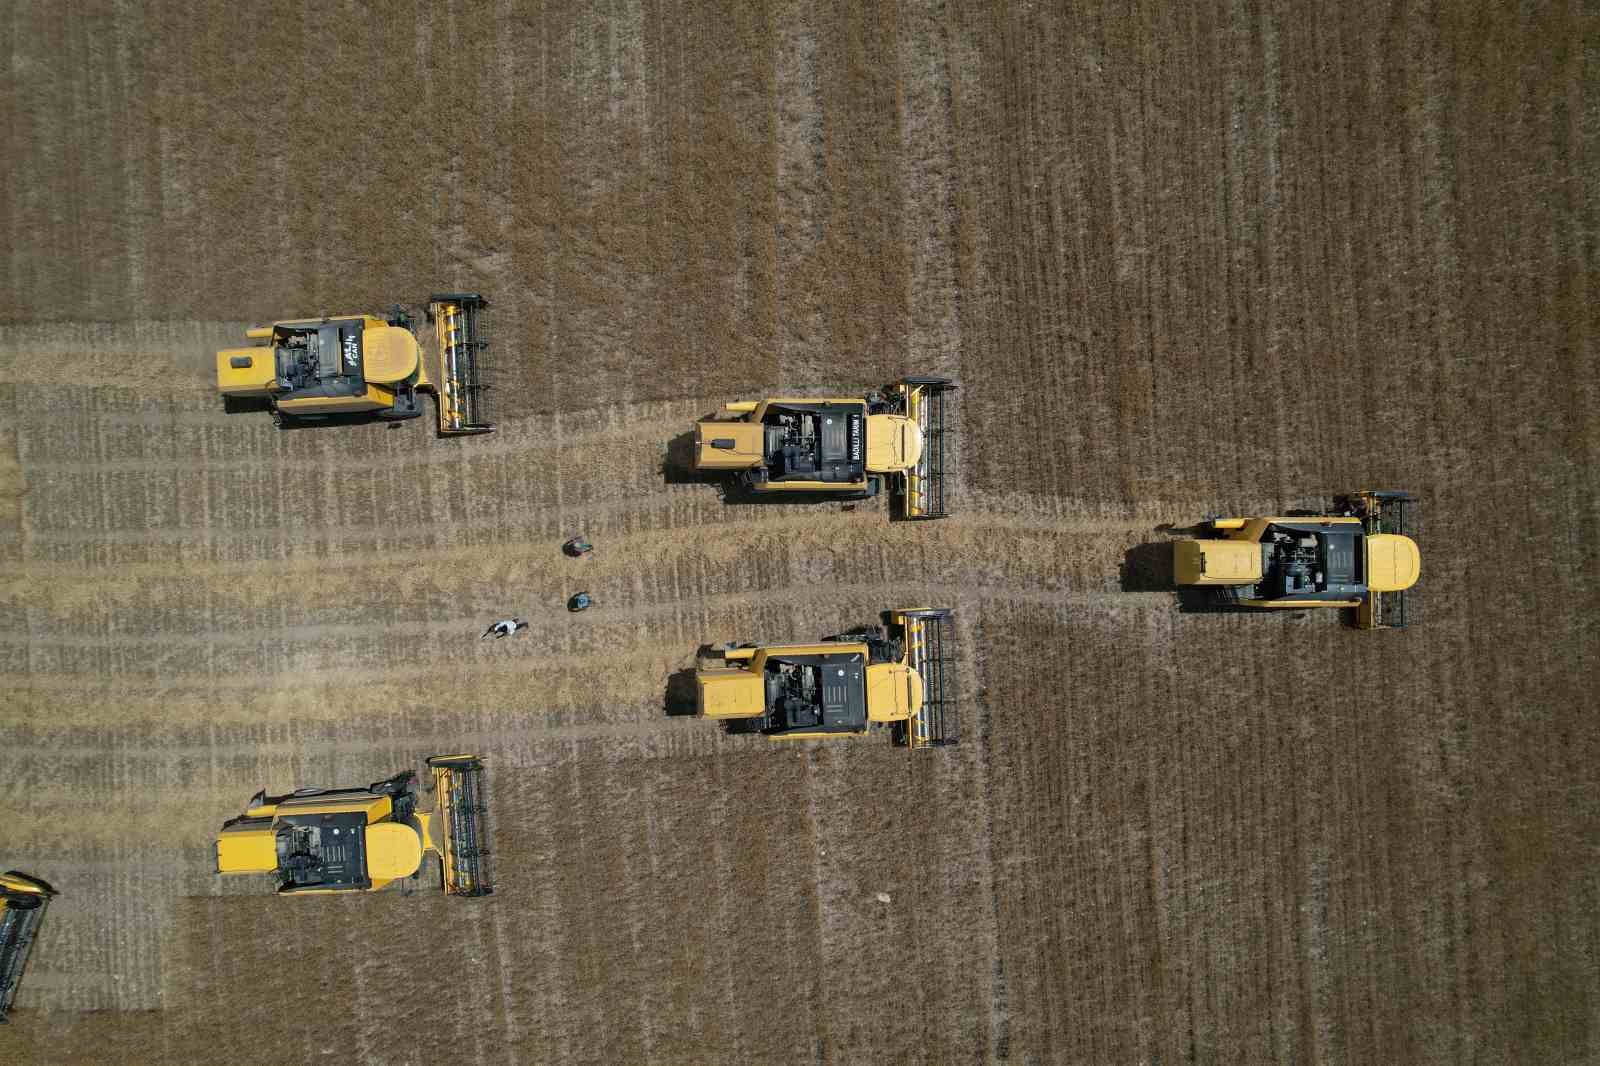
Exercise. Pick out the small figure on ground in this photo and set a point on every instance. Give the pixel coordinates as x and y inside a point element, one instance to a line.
<point>503,628</point>
<point>580,602</point>
<point>578,547</point>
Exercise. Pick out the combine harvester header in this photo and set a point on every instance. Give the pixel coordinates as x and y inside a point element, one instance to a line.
<point>920,490</point>
<point>23,901</point>
<point>459,342</point>
<point>360,839</point>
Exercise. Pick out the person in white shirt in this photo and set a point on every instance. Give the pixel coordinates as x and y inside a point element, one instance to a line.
<point>503,628</point>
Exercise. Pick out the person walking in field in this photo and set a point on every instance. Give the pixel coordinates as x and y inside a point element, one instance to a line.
<point>578,547</point>
<point>580,602</point>
<point>503,628</point>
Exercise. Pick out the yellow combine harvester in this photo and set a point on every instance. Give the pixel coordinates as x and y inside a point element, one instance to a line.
<point>23,901</point>
<point>360,839</point>
<point>836,446</point>
<point>1359,557</point>
<point>902,676</point>
<point>353,368</point>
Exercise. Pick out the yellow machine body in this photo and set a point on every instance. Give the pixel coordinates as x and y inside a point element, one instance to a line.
<point>252,849</point>
<point>899,676</point>
<point>894,444</point>
<point>727,445</point>
<point>338,840</point>
<point>894,692</point>
<point>835,445</point>
<point>359,366</point>
<point>730,693</point>
<point>1394,563</point>
<point>246,372</point>
<point>1353,559</point>
<point>1217,562</point>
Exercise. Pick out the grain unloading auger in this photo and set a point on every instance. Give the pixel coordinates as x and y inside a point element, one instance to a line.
<point>361,839</point>
<point>359,367</point>
<point>837,446</point>
<point>23,901</point>
<point>902,675</point>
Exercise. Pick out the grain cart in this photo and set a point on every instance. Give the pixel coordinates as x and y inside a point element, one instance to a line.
<point>833,446</point>
<point>1357,557</point>
<point>23,901</point>
<point>318,840</point>
<point>902,675</point>
<point>357,367</point>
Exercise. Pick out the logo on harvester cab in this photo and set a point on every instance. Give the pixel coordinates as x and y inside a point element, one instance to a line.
<point>352,352</point>
<point>855,438</point>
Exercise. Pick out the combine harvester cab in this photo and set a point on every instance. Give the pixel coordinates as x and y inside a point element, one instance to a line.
<point>316,841</point>
<point>23,901</point>
<point>361,368</point>
<point>836,447</point>
<point>1358,557</point>
<point>901,675</point>
<point>1393,558</point>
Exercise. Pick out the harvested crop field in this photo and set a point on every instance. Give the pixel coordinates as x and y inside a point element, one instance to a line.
<point>1185,259</point>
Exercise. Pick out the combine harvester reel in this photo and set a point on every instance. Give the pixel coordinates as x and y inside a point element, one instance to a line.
<point>930,653</point>
<point>23,901</point>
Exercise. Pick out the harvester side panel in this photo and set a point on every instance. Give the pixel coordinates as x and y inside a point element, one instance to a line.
<point>460,343</point>
<point>464,811</point>
<point>921,490</point>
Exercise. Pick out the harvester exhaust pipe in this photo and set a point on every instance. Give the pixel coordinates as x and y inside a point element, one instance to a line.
<point>23,901</point>
<point>463,814</point>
